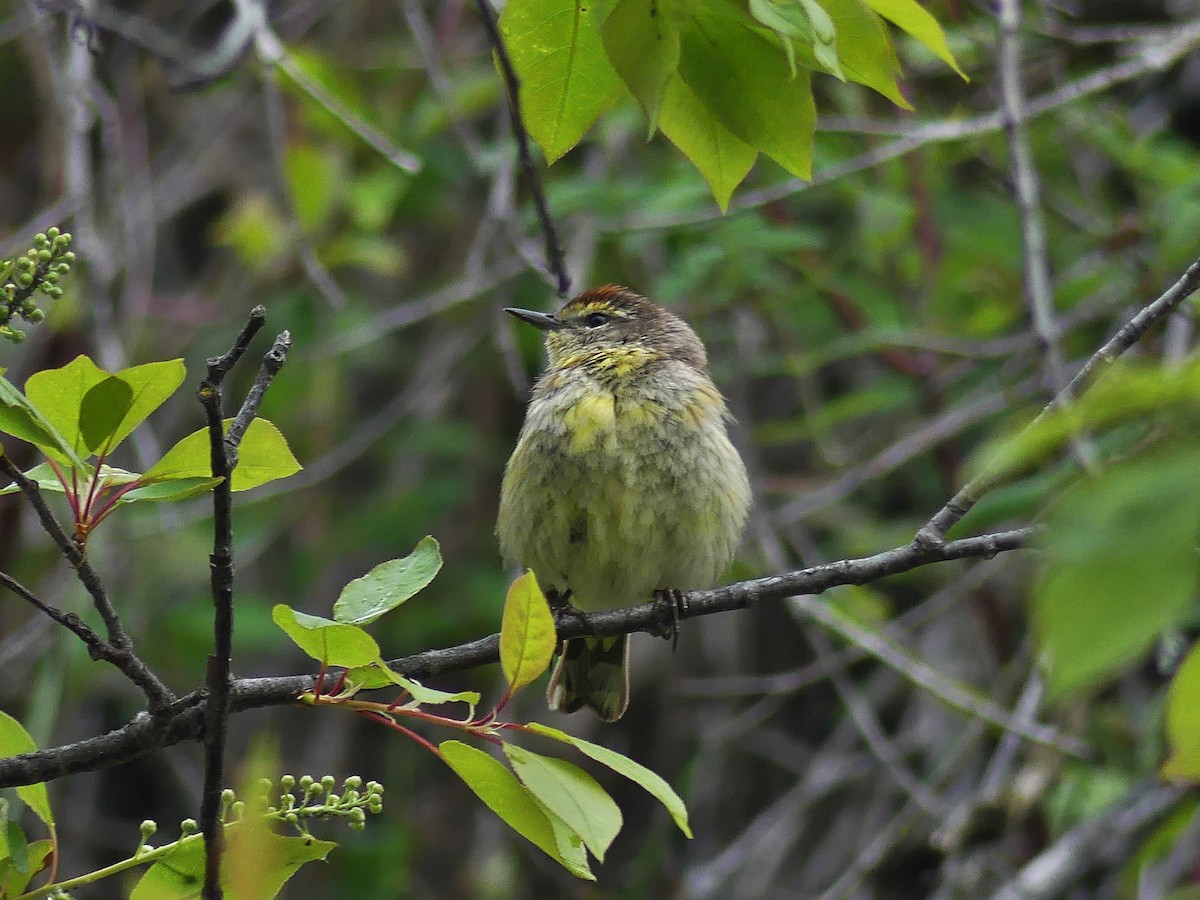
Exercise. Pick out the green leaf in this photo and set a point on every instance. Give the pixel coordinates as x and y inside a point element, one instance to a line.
<point>23,420</point>
<point>641,38</point>
<point>58,394</point>
<point>179,874</point>
<point>566,80</point>
<point>1183,720</point>
<point>1120,566</point>
<point>527,633</point>
<point>864,49</point>
<point>262,457</point>
<point>571,794</point>
<point>805,21</point>
<point>723,159</point>
<point>910,16</point>
<point>101,411</point>
<point>176,489</point>
<point>152,384</point>
<point>379,674</point>
<point>388,585</point>
<point>623,765</point>
<point>15,740</point>
<point>744,81</point>
<point>500,791</point>
<point>330,643</point>
<point>14,882</point>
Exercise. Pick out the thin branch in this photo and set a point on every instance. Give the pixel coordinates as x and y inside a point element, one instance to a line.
<point>217,675</point>
<point>272,362</point>
<point>554,254</point>
<point>186,719</point>
<point>119,647</point>
<point>934,531</point>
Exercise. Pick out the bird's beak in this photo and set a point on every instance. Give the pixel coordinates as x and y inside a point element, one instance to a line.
<point>542,321</point>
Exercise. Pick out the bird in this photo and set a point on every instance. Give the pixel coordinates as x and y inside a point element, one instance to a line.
<point>624,482</point>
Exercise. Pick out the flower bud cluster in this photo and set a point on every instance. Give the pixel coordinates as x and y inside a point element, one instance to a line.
<point>37,271</point>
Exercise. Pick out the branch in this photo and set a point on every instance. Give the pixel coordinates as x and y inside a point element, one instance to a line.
<point>118,649</point>
<point>554,254</point>
<point>187,715</point>
<point>934,531</point>
<point>222,455</point>
<point>272,362</point>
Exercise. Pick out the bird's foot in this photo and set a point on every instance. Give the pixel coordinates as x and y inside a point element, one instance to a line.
<point>563,611</point>
<point>671,611</point>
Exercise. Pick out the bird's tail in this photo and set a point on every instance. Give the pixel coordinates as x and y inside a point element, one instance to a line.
<point>591,672</point>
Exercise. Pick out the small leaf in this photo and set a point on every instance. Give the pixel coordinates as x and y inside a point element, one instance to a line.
<point>1183,720</point>
<point>571,794</point>
<point>1120,567</point>
<point>527,633</point>
<point>388,585</point>
<point>379,674</point>
<point>15,740</point>
<point>176,489</point>
<point>101,411</point>
<point>330,643</point>
<point>803,20</point>
<point>865,51</point>
<point>623,765</point>
<point>910,16</point>
<point>566,80</point>
<point>500,791</point>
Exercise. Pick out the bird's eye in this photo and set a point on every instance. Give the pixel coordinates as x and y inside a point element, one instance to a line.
<point>595,320</point>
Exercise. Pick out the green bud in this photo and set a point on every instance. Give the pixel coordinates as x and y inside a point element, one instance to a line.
<point>327,782</point>
<point>238,810</point>
<point>16,335</point>
<point>39,240</point>
<point>287,782</point>
<point>52,232</point>
<point>25,279</point>
<point>44,256</point>
<point>332,800</point>
<point>34,316</point>
<point>306,782</point>
<point>148,828</point>
<point>188,826</point>
<point>68,257</point>
<point>25,264</point>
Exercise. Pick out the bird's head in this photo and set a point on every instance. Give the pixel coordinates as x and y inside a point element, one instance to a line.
<point>614,329</point>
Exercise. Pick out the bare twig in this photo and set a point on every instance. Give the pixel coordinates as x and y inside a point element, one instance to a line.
<point>272,362</point>
<point>934,531</point>
<point>554,254</point>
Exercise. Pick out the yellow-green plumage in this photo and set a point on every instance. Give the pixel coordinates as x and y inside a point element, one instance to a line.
<point>623,481</point>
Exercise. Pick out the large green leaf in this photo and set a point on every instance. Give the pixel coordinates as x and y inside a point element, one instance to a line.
<point>330,643</point>
<point>1183,720</point>
<point>913,18</point>
<point>388,585</point>
<point>623,765</point>
<point>744,81</point>
<point>641,38</point>
<point>1120,566</point>
<point>58,394</point>
<point>263,456</point>
<point>527,633</point>
<point>722,158</point>
<point>101,411</point>
<point>500,791</point>
<point>23,420</point>
<point>571,794</point>
<point>152,383</point>
<point>566,80</point>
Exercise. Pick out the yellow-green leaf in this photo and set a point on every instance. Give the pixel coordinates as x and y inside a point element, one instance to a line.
<point>910,16</point>
<point>527,633</point>
<point>1183,720</point>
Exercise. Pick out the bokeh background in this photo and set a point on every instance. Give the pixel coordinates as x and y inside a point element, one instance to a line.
<point>869,332</point>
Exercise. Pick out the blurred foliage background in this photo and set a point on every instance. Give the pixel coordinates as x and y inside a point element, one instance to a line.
<point>869,332</point>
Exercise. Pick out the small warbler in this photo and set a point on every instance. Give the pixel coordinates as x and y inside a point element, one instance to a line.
<point>624,482</point>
